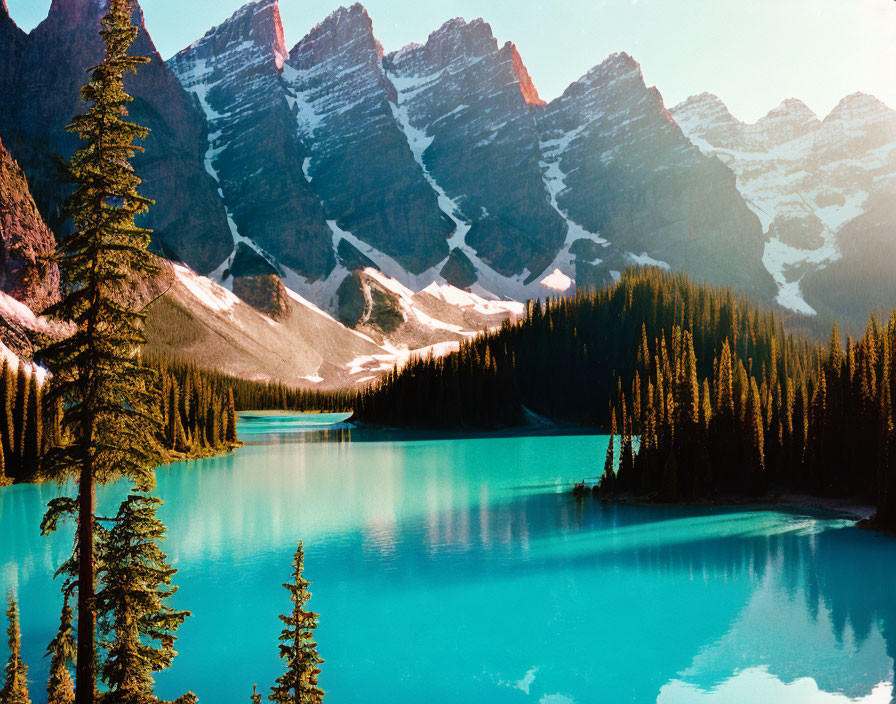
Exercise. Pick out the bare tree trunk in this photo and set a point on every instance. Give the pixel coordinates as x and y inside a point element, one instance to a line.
<point>85,670</point>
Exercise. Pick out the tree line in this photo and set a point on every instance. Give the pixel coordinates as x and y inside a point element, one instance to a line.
<point>564,358</point>
<point>254,395</point>
<point>195,414</point>
<point>823,423</point>
<point>708,394</point>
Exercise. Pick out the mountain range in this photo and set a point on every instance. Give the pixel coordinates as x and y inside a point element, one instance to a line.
<point>324,170</point>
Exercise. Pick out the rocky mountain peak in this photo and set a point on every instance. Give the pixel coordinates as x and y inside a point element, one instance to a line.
<point>257,24</point>
<point>706,117</point>
<point>615,68</point>
<point>458,39</point>
<point>527,87</point>
<point>861,107</point>
<point>346,30</point>
<point>81,10</point>
<point>789,120</point>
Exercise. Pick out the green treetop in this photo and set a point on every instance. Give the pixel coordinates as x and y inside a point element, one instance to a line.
<point>138,627</point>
<point>298,685</point>
<point>60,687</point>
<point>15,687</point>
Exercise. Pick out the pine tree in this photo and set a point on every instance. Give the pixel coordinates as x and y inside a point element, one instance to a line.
<point>138,628</point>
<point>96,371</point>
<point>15,687</point>
<point>33,435</point>
<point>608,479</point>
<point>298,685</point>
<point>21,414</point>
<point>231,437</point>
<point>60,687</point>
<point>7,419</point>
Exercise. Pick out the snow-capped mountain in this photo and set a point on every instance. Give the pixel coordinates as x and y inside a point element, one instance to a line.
<point>440,164</point>
<point>807,180</point>
<point>359,163</point>
<point>302,344</point>
<point>622,169</point>
<point>466,106</point>
<point>252,151</point>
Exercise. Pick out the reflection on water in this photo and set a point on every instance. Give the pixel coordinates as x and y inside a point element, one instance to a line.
<point>459,570</point>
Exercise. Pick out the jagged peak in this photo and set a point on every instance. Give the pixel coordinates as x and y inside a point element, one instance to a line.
<point>527,87</point>
<point>616,66</point>
<point>352,13</point>
<point>459,36</point>
<point>258,21</point>
<point>705,100</point>
<point>78,6</point>
<point>789,109</point>
<point>342,18</point>
<point>857,103</point>
<point>395,56</point>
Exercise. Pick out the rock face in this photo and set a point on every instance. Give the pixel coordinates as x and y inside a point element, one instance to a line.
<point>49,71</point>
<point>360,164</point>
<point>12,47</point>
<point>621,167</point>
<point>26,242</point>
<point>439,163</point>
<point>467,107</point>
<point>252,150</point>
<point>821,189</point>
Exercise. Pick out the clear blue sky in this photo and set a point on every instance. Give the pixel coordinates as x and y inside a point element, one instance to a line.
<point>752,53</point>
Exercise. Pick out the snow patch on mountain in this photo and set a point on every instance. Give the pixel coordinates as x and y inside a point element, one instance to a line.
<point>490,282</point>
<point>802,177</point>
<point>557,281</point>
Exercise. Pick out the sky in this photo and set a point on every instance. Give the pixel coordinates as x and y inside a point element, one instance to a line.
<point>751,53</point>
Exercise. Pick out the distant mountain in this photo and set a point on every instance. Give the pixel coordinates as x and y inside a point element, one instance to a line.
<point>823,190</point>
<point>200,321</point>
<point>620,167</point>
<point>440,164</point>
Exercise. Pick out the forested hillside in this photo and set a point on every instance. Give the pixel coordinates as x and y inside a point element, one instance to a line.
<point>566,357</point>
<point>196,411</point>
<point>710,396</point>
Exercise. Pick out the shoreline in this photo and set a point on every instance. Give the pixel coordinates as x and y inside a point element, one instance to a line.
<point>853,508</point>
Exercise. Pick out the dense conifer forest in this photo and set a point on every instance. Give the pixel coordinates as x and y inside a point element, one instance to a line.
<point>564,360</point>
<point>821,422</point>
<point>252,395</point>
<point>710,395</point>
<point>196,412</point>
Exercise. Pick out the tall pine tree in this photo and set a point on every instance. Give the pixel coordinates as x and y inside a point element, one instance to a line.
<point>60,687</point>
<point>96,371</point>
<point>15,687</point>
<point>138,626</point>
<point>298,685</point>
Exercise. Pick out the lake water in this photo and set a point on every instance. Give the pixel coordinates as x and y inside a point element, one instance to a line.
<point>462,571</point>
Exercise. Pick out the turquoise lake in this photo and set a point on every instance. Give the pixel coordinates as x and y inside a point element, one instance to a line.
<point>462,571</point>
